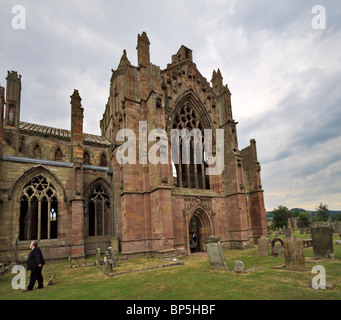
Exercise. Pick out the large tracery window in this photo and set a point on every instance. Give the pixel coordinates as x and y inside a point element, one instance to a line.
<point>190,175</point>
<point>99,204</point>
<point>38,210</point>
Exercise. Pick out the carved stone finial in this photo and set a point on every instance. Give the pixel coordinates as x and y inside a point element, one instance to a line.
<point>124,60</point>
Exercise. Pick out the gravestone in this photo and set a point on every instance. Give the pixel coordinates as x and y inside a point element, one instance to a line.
<point>287,233</point>
<point>292,223</point>
<point>263,247</point>
<point>238,267</point>
<point>337,227</point>
<point>294,254</point>
<point>277,245</point>
<point>215,253</point>
<point>302,230</point>
<point>322,236</point>
<point>98,256</point>
<point>113,258</point>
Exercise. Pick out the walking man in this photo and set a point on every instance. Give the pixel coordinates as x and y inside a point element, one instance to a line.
<point>35,263</point>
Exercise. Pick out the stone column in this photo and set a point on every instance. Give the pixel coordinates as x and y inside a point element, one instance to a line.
<point>77,249</point>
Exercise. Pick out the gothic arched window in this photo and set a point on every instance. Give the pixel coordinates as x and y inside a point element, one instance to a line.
<point>192,173</point>
<point>38,210</point>
<point>104,161</point>
<point>58,155</point>
<point>86,158</point>
<point>37,152</point>
<point>99,205</point>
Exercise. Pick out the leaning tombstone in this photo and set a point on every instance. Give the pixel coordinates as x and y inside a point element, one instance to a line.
<point>263,246</point>
<point>215,253</point>
<point>322,237</point>
<point>294,254</point>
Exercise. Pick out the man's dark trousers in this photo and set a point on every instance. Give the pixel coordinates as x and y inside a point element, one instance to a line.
<point>36,276</point>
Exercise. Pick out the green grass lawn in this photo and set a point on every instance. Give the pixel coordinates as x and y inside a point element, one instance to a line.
<point>192,281</point>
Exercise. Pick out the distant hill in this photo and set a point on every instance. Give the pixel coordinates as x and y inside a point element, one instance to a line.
<point>333,213</point>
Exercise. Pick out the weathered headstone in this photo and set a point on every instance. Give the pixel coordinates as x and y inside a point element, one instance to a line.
<point>113,258</point>
<point>263,246</point>
<point>277,245</point>
<point>292,223</point>
<point>98,256</point>
<point>337,227</point>
<point>238,267</point>
<point>302,230</point>
<point>287,233</point>
<point>215,253</point>
<point>322,236</point>
<point>294,254</point>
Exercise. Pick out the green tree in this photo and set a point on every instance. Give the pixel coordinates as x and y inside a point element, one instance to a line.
<point>304,219</point>
<point>322,212</point>
<point>281,216</point>
<point>338,217</point>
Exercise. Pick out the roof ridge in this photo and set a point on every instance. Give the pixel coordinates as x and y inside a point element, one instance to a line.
<point>27,126</point>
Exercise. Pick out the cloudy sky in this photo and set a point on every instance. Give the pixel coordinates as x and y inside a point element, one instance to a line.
<point>284,74</point>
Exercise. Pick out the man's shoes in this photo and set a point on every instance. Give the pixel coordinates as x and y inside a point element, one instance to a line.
<point>27,290</point>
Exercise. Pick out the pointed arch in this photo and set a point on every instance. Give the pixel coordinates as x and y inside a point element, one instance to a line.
<point>98,209</point>
<point>15,190</point>
<point>190,97</point>
<point>94,183</point>
<point>36,149</point>
<point>190,114</point>
<point>200,226</point>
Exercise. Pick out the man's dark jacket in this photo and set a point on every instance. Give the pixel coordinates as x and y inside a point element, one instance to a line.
<point>35,258</point>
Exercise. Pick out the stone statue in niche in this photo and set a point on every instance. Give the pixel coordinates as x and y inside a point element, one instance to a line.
<point>11,118</point>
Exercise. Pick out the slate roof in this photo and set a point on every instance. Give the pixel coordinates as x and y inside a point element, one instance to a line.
<point>36,129</point>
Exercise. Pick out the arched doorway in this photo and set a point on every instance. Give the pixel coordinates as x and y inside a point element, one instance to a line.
<point>199,229</point>
<point>194,234</point>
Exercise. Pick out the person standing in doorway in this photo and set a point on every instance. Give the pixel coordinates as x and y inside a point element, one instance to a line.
<point>35,263</point>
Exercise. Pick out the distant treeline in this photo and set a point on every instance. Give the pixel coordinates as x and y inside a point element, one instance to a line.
<point>333,213</point>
